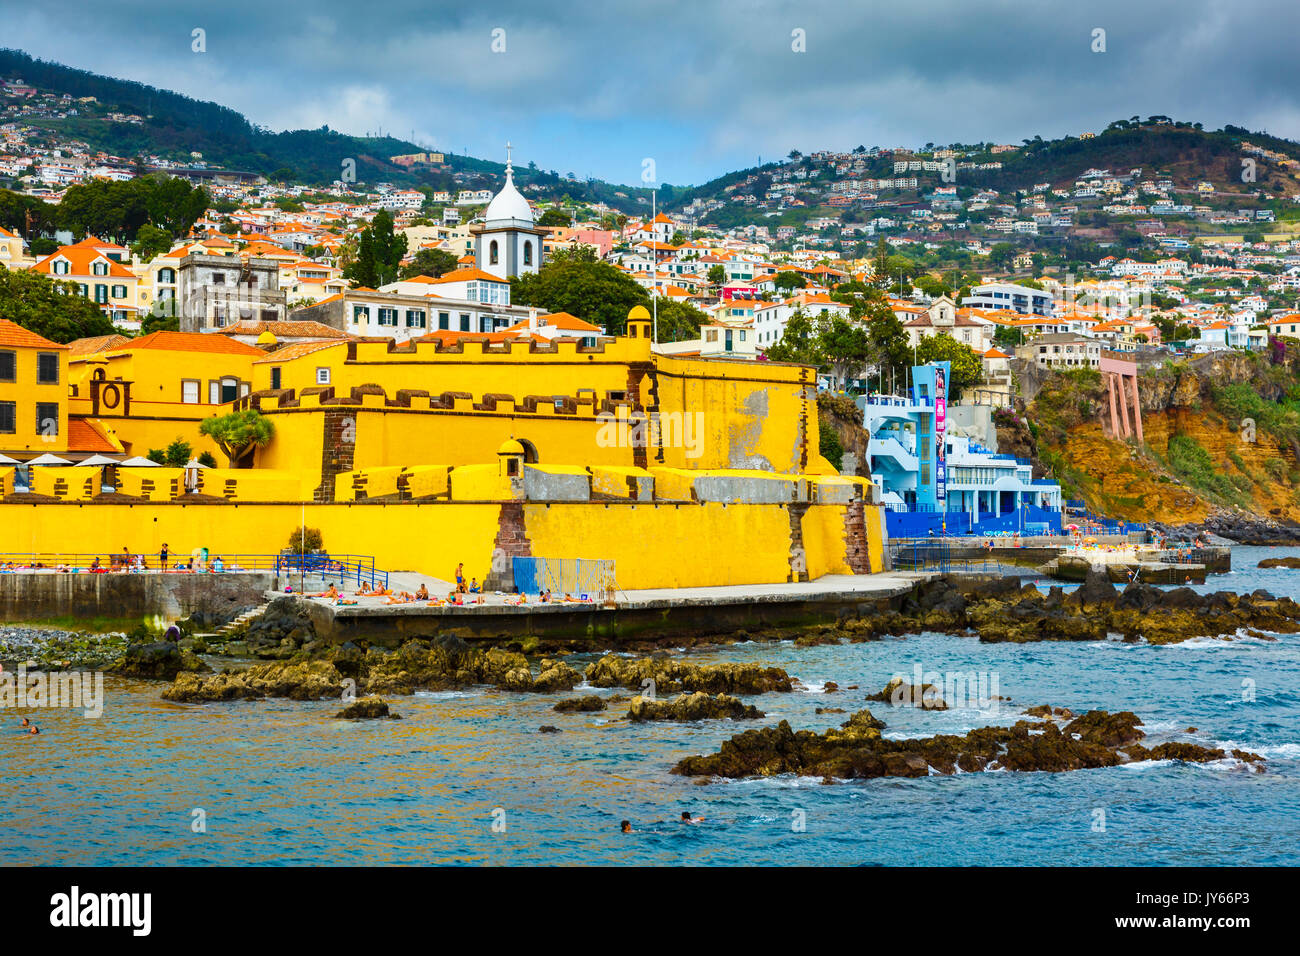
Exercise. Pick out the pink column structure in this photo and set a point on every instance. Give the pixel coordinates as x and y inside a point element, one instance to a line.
<point>1121,382</point>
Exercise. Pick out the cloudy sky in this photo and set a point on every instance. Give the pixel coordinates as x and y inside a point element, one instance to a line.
<point>702,87</point>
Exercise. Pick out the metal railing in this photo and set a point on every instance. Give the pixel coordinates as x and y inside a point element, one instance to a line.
<point>343,567</point>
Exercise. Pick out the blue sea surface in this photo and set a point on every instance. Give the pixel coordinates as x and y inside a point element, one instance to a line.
<point>466,778</point>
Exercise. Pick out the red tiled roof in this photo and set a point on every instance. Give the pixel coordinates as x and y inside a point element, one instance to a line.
<point>11,333</point>
<point>188,342</point>
<point>83,436</point>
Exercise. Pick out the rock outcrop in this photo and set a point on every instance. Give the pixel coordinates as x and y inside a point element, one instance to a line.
<point>305,680</point>
<point>856,750</point>
<point>672,676</point>
<point>585,705</point>
<point>1279,563</point>
<point>366,708</point>
<point>160,660</point>
<point>1002,610</point>
<point>696,706</point>
<point>899,693</point>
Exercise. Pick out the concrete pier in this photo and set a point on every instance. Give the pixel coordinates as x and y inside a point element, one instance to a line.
<point>650,614</point>
<point>123,596</point>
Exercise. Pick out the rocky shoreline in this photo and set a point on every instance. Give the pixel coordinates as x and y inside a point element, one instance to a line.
<point>856,750</point>
<point>1226,527</point>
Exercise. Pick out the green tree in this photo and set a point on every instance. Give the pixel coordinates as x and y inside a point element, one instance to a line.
<point>56,310</point>
<point>576,253</point>
<point>379,254</point>
<point>429,262</point>
<point>846,345</point>
<point>554,217</point>
<point>965,370</point>
<point>789,280</point>
<point>178,453</point>
<point>679,321</point>
<point>151,241</point>
<point>594,291</point>
<point>717,275</point>
<point>799,342</point>
<point>831,447</point>
<point>238,433</point>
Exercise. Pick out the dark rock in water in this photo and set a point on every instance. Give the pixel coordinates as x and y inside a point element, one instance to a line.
<point>900,693</point>
<point>830,710</point>
<point>548,729</point>
<point>830,687</point>
<point>366,708</point>
<point>857,750</point>
<point>1289,562</point>
<point>1047,711</point>
<point>697,706</point>
<point>162,660</point>
<point>587,704</point>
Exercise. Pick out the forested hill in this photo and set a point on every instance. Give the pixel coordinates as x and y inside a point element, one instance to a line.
<point>175,125</point>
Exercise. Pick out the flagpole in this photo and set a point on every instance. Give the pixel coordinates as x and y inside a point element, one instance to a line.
<point>654,268</point>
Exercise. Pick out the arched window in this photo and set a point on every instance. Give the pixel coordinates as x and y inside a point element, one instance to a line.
<point>167,275</point>
<point>530,451</point>
<point>492,253</point>
<point>528,252</point>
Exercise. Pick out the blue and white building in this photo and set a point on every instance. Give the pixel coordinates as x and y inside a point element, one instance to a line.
<point>932,481</point>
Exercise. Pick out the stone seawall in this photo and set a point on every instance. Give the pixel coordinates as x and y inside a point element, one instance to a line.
<point>42,595</point>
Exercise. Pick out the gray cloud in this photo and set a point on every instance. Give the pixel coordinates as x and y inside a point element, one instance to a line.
<point>703,87</point>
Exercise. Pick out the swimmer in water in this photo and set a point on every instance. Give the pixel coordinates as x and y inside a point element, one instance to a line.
<point>687,818</point>
<point>34,730</point>
<point>26,722</point>
<point>626,827</point>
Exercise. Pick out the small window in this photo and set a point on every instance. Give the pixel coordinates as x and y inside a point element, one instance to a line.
<point>47,419</point>
<point>8,418</point>
<point>101,293</point>
<point>444,320</point>
<point>190,391</point>
<point>492,252</point>
<point>415,318</point>
<point>218,278</point>
<point>47,368</point>
<point>464,321</point>
<point>8,366</point>
<point>360,314</point>
<point>322,376</point>
<point>119,292</point>
<point>99,269</point>
<point>528,252</point>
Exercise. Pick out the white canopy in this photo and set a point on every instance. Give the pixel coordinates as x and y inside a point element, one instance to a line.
<point>195,463</point>
<point>138,462</point>
<point>98,460</point>
<point>48,459</point>
<point>6,460</point>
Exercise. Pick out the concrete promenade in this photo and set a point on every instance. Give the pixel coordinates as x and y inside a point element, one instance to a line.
<point>653,613</point>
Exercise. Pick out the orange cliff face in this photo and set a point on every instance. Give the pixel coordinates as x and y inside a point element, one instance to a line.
<point>1123,482</point>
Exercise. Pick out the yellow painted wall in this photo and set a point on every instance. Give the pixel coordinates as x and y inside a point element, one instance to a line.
<point>26,393</point>
<point>6,481</point>
<point>654,546</point>
<point>66,482</point>
<point>665,545</point>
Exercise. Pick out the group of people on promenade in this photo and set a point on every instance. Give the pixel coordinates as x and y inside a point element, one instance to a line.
<point>128,562</point>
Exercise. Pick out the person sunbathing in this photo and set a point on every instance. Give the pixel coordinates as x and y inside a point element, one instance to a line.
<point>364,588</point>
<point>329,592</point>
<point>401,597</point>
<point>422,593</point>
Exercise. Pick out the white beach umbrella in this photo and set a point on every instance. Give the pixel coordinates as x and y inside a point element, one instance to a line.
<point>138,462</point>
<point>100,460</point>
<point>195,463</point>
<point>6,460</point>
<point>48,459</point>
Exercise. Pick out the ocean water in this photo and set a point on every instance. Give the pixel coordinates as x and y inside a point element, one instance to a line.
<point>466,778</point>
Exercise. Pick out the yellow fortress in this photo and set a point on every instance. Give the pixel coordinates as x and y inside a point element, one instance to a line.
<point>683,471</point>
